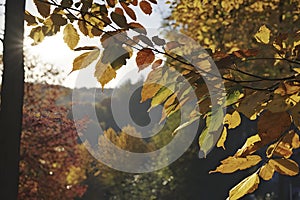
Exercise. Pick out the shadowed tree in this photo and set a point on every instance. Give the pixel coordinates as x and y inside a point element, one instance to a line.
<point>11,98</point>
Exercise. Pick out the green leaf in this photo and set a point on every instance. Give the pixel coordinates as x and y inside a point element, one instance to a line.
<point>162,95</point>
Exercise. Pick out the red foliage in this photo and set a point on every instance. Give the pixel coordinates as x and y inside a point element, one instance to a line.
<point>49,148</point>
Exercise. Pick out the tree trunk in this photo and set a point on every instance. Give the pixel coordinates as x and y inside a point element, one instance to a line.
<point>12,90</point>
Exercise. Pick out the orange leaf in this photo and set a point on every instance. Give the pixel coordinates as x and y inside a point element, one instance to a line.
<point>146,7</point>
<point>157,63</point>
<point>128,10</point>
<point>144,58</point>
<point>137,27</point>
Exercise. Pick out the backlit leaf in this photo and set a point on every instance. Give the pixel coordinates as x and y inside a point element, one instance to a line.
<point>233,120</point>
<point>37,35</point>
<point>246,186</point>
<point>263,35</point>
<point>71,36</point>
<point>221,141</point>
<point>144,58</point>
<point>104,73</point>
<point>285,166</point>
<point>146,7</point>
<point>252,144</point>
<point>232,164</point>
<point>266,172</point>
<point>85,59</point>
<point>152,84</point>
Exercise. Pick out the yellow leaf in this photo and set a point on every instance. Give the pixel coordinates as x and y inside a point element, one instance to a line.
<point>232,164</point>
<point>232,120</point>
<point>263,35</point>
<point>266,172</point>
<point>222,139</point>
<point>246,186</point>
<point>285,166</point>
<point>281,149</point>
<point>251,145</point>
<point>71,36</point>
<point>104,73</point>
<point>85,59</point>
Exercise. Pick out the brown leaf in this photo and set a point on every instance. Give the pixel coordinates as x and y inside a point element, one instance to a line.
<point>119,19</point>
<point>272,125</point>
<point>30,19</point>
<point>144,58</point>
<point>134,2</point>
<point>146,7</point>
<point>137,27</point>
<point>172,45</point>
<point>43,7</point>
<point>232,164</point>
<point>157,63</point>
<point>128,10</point>
<point>285,166</point>
<point>112,3</point>
<point>153,1</point>
<point>246,186</point>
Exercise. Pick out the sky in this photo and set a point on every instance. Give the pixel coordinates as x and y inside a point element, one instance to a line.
<point>54,51</point>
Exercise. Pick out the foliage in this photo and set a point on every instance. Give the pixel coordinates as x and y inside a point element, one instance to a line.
<point>261,75</point>
<point>49,152</point>
<point>121,185</point>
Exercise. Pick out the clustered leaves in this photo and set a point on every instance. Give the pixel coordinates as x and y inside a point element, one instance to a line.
<point>260,75</point>
<point>49,150</point>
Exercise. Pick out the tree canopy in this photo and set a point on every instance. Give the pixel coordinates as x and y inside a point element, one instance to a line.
<point>254,44</point>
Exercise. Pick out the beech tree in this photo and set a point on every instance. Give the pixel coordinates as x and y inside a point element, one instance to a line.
<point>271,98</point>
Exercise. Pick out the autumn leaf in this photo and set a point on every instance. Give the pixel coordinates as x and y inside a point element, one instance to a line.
<point>251,145</point>
<point>246,186</point>
<point>146,7</point>
<point>144,58</point>
<point>85,59</point>
<point>157,63</point>
<point>285,166</point>
<point>43,7</point>
<point>268,130</point>
<point>232,164</point>
<point>119,19</point>
<point>104,73</point>
<point>30,19</point>
<point>71,36</point>
<point>37,35</point>
<point>137,27</point>
<point>152,84</point>
<point>158,41</point>
<point>266,172</point>
<point>263,35</point>
<point>128,11</point>
<point>233,120</point>
<point>223,138</point>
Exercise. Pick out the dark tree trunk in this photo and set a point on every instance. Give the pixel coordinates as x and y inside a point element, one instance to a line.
<point>12,90</point>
